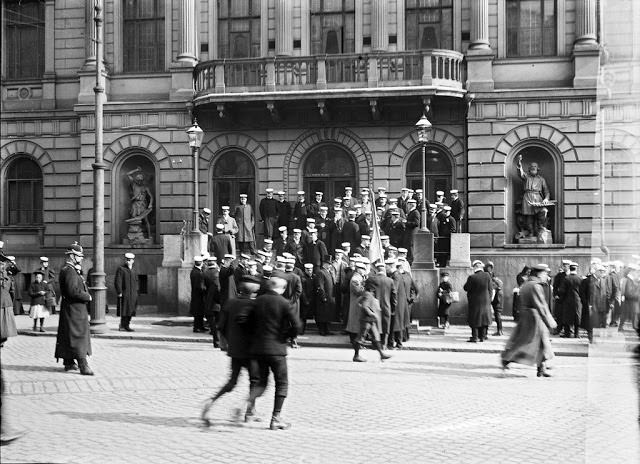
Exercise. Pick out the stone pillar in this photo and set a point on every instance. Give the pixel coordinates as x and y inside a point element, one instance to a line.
<point>586,24</point>
<point>284,27</point>
<point>188,31</point>
<point>425,275</point>
<point>89,37</point>
<point>479,25</point>
<point>379,32</point>
<point>49,76</point>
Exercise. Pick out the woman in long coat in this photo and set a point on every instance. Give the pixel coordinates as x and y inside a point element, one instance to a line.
<point>530,341</point>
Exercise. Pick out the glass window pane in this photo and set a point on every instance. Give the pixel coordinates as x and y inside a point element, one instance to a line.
<point>24,192</point>
<point>329,160</point>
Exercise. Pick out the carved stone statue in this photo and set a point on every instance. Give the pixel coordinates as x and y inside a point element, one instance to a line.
<point>532,213</point>
<point>141,206</point>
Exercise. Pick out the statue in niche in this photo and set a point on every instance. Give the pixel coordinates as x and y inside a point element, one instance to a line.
<point>532,212</point>
<point>141,206</point>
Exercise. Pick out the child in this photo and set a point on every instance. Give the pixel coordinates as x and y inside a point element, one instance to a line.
<point>38,290</point>
<point>445,298</point>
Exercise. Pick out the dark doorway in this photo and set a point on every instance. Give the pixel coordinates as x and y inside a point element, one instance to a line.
<point>438,172</point>
<point>329,169</point>
<point>233,174</point>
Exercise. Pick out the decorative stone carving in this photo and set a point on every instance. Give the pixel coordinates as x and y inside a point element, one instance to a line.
<point>532,212</point>
<point>141,206</point>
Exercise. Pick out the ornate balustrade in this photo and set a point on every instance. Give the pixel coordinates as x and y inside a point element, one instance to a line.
<point>436,68</point>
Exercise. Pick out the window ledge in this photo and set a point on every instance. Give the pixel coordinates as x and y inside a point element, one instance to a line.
<point>519,246</point>
<point>532,59</point>
<point>22,228</point>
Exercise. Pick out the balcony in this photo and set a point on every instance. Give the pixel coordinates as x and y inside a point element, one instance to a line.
<point>388,74</point>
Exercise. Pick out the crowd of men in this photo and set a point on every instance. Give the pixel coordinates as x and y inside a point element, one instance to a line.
<point>347,219</point>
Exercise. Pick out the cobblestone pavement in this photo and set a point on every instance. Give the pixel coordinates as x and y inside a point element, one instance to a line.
<point>143,404</point>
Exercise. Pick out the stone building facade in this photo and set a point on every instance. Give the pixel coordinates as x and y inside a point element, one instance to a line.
<point>319,95</point>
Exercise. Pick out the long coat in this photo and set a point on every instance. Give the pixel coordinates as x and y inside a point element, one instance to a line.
<point>314,253</point>
<point>198,292</point>
<point>387,295</point>
<point>245,221</point>
<point>590,317</point>
<point>356,289</point>
<point>324,289</point>
<point>212,285</point>
<point>479,288</point>
<point>126,283</point>
<point>73,340</point>
<point>307,297</point>
<point>411,291</point>
<point>529,342</point>
<point>569,300</point>
<point>351,234</point>
<point>293,291</point>
<point>233,325</point>
<point>220,246</point>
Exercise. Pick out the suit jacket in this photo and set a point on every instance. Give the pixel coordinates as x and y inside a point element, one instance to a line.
<point>234,325</point>
<point>297,250</point>
<point>268,208</point>
<point>446,226</point>
<point>220,246</point>
<point>273,321</point>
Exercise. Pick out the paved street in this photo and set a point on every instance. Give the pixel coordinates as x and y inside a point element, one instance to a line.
<point>143,404</point>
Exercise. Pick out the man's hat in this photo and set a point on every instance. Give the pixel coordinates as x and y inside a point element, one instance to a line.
<point>433,205</point>
<point>352,212</point>
<point>287,255</point>
<point>391,247</point>
<point>566,261</point>
<point>311,220</point>
<point>220,226</point>
<point>404,189</point>
<point>251,262</point>
<point>447,208</point>
<point>380,263</point>
<point>245,256</point>
<point>541,267</point>
<point>268,240</point>
<point>300,192</point>
<point>129,256</point>
<point>243,195</point>
<point>365,260</point>
<point>308,266</point>
<point>197,258</point>
<point>75,249</point>
<point>395,212</point>
<point>225,208</point>
<point>364,190</point>
<point>212,258</point>
<point>11,258</point>
<point>361,265</point>
<point>297,231</point>
<point>324,208</point>
<point>390,261</point>
<point>412,201</point>
<point>337,209</point>
<point>345,244</point>
<point>477,262</point>
<point>365,237</point>
<point>348,189</point>
<point>453,191</point>
<point>393,200</point>
<point>403,250</point>
<point>249,279</point>
<point>280,192</point>
<point>269,190</point>
<point>44,259</point>
<point>573,264</point>
<point>384,237</point>
<point>382,189</point>
<point>38,271</point>
<point>319,193</point>
<point>338,250</point>
<point>337,200</point>
<point>382,195</point>
<point>418,190</point>
<point>443,274</point>
<point>229,255</point>
<point>281,259</point>
<point>206,210</point>
<point>440,193</point>
<point>282,228</point>
<point>313,231</point>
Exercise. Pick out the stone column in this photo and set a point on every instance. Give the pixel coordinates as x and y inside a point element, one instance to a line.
<point>188,30</point>
<point>479,25</point>
<point>284,27</point>
<point>379,20</point>
<point>89,36</point>
<point>586,24</point>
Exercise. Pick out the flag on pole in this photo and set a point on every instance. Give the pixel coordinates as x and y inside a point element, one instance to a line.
<point>376,252</point>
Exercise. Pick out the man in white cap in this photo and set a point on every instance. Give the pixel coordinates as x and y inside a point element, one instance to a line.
<point>351,230</point>
<point>280,243</point>
<point>557,301</point>
<point>403,198</point>
<point>284,213</point>
<point>571,303</point>
<point>440,197</point>
<point>446,227</point>
<point>348,192</point>
<point>315,250</point>
<point>295,246</point>
<point>230,225</point>
<point>269,213</point>
<point>382,193</point>
<point>419,197</point>
<point>411,227</point>
<point>50,280</point>
<point>382,201</point>
<point>479,290</point>
<point>203,219</point>
<point>300,212</point>
<point>212,296</point>
<point>363,248</point>
<point>126,284</point>
<point>245,221</point>
<point>316,204</point>
<point>198,293</point>
<point>220,244</point>
<point>73,341</point>
<point>457,208</point>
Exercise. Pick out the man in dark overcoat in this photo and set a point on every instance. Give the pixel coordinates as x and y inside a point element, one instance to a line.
<point>446,227</point>
<point>570,302</point>
<point>284,213</point>
<point>387,296</point>
<point>314,250</point>
<point>324,289</point>
<point>411,227</point>
<point>198,293</point>
<point>221,243</point>
<point>269,213</point>
<point>351,230</point>
<point>212,297</point>
<point>314,207</point>
<point>126,284</point>
<point>295,246</point>
<point>243,215</point>
<point>479,290</point>
<point>300,212</point>
<point>557,301</point>
<point>73,341</point>
<point>228,287</point>
<point>307,297</point>
<point>273,321</point>
<point>396,229</point>
<point>590,318</point>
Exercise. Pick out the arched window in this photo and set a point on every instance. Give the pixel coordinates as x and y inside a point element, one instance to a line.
<point>329,169</point>
<point>24,192</point>
<point>233,174</point>
<point>438,171</point>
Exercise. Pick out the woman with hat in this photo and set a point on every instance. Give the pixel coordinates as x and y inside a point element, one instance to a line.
<point>73,341</point>
<point>530,341</point>
<point>37,292</point>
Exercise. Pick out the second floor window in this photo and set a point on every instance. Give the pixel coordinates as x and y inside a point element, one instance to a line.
<point>24,22</point>
<point>429,24</point>
<point>238,28</point>
<point>143,35</point>
<point>24,192</point>
<point>333,26</point>
<point>531,28</point>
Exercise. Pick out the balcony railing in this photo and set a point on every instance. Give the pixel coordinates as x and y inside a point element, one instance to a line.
<point>438,68</point>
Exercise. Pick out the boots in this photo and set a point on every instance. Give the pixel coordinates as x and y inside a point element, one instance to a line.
<point>383,355</point>
<point>278,424</point>
<point>70,365</point>
<point>542,371</point>
<point>84,367</point>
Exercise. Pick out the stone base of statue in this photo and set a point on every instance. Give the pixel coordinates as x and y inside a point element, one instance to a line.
<point>425,275</point>
<point>135,235</point>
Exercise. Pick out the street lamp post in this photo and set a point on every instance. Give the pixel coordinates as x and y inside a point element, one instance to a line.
<point>195,142</point>
<point>424,130</point>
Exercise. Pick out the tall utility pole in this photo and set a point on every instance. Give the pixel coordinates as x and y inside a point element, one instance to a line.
<point>98,278</point>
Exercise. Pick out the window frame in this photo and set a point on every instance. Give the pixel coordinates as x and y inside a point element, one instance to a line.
<point>440,7</point>
<point>160,34</point>
<point>543,29</point>
<point>253,17</point>
<point>345,14</point>
<point>35,198</point>
<point>11,70</point>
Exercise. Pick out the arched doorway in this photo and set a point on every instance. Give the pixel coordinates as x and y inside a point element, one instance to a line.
<point>233,174</point>
<point>329,169</point>
<point>438,171</point>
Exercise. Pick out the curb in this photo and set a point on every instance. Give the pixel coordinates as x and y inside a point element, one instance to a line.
<point>161,338</point>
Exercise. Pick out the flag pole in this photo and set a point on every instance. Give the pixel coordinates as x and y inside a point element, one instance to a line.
<point>375,238</point>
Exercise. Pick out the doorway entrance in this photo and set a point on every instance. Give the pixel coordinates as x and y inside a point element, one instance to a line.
<point>438,172</point>
<point>233,174</point>
<point>329,169</point>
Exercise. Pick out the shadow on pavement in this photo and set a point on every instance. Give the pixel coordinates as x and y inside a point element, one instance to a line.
<point>120,417</point>
<point>16,367</point>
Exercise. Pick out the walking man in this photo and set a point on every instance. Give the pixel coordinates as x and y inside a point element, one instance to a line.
<point>126,283</point>
<point>73,341</point>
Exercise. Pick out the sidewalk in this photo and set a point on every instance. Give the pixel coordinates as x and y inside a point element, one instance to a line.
<point>179,329</point>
